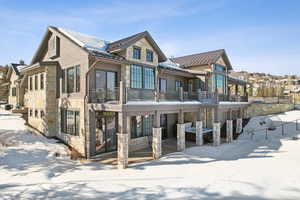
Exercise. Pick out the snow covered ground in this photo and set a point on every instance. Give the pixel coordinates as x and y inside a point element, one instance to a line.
<point>245,169</point>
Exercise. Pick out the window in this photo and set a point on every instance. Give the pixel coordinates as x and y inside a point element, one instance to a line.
<point>149,56</point>
<point>136,76</point>
<point>219,78</point>
<point>54,44</point>
<point>36,82</point>
<point>36,113</point>
<point>148,78</point>
<point>30,112</point>
<point>70,80</point>
<point>42,81</point>
<point>77,78</point>
<point>63,82</point>
<point>13,91</point>
<point>141,126</point>
<point>30,83</point>
<point>70,121</point>
<point>142,77</point>
<point>42,113</point>
<point>136,53</point>
<point>163,85</point>
<point>178,84</point>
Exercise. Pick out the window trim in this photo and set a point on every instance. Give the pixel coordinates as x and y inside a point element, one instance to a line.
<point>64,121</point>
<point>76,80</point>
<point>152,55</point>
<point>143,77</point>
<point>160,79</point>
<point>42,81</point>
<point>133,52</point>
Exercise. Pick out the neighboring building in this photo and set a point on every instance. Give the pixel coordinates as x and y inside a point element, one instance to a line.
<point>17,86</point>
<point>100,96</point>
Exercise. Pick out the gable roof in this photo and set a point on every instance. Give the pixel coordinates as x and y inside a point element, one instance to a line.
<point>17,67</point>
<point>128,41</point>
<point>205,58</point>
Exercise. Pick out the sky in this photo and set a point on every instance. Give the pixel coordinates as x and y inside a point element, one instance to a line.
<point>258,35</point>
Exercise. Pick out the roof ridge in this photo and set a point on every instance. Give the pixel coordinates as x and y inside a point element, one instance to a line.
<point>195,54</point>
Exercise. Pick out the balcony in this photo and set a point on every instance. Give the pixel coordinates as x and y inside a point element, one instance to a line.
<point>112,96</point>
<point>104,95</point>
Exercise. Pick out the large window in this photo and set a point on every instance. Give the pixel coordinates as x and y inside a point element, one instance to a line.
<point>36,82</point>
<point>77,78</point>
<point>149,55</point>
<point>142,77</point>
<point>42,81</point>
<point>136,76</point>
<point>71,79</point>
<point>163,85</point>
<point>70,121</point>
<point>13,91</point>
<point>141,126</point>
<point>219,78</point>
<point>136,53</point>
<point>30,83</point>
<point>178,84</point>
<point>148,78</point>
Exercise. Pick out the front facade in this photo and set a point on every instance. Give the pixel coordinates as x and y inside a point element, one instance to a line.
<point>99,96</point>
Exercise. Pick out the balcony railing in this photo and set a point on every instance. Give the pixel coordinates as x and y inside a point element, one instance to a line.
<point>103,95</point>
<point>112,95</point>
<point>133,94</point>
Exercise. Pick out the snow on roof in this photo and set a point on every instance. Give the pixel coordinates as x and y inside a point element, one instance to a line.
<point>169,64</point>
<point>86,41</point>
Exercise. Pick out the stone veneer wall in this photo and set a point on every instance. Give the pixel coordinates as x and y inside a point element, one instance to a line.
<point>257,109</point>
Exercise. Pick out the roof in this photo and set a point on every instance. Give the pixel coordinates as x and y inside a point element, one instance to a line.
<point>86,41</point>
<point>17,67</point>
<point>205,58</point>
<point>128,41</point>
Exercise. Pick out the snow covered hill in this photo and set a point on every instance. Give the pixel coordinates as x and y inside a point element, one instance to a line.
<point>251,167</point>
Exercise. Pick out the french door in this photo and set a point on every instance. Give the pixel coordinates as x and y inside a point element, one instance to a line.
<point>106,136</point>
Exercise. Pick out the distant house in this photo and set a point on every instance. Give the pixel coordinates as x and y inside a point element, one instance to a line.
<point>17,84</point>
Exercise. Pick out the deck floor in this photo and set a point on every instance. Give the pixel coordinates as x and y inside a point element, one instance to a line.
<point>142,155</point>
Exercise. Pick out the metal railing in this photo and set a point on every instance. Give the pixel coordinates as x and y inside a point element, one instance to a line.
<point>169,96</point>
<point>103,95</point>
<point>273,127</point>
<point>133,94</point>
<point>207,97</point>
<point>190,96</point>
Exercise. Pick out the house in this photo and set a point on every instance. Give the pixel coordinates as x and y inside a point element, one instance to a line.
<point>17,85</point>
<point>100,96</point>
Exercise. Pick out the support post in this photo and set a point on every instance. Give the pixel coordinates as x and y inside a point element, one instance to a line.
<point>199,133</point>
<point>181,94</point>
<point>91,133</point>
<point>216,134</point>
<point>239,125</point>
<point>216,128</point>
<point>123,140</point>
<point>229,131</point>
<point>156,139</point>
<point>180,132</point>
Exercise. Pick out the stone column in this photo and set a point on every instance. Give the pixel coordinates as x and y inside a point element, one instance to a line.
<point>156,139</point>
<point>90,133</point>
<point>239,125</point>
<point>123,140</point>
<point>199,133</point>
<point>229,131</point>
<point>216,134</point>
<point>180,137</point>
<point>122,150</point>
<point>156,143</point>
<point>216,128</point>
